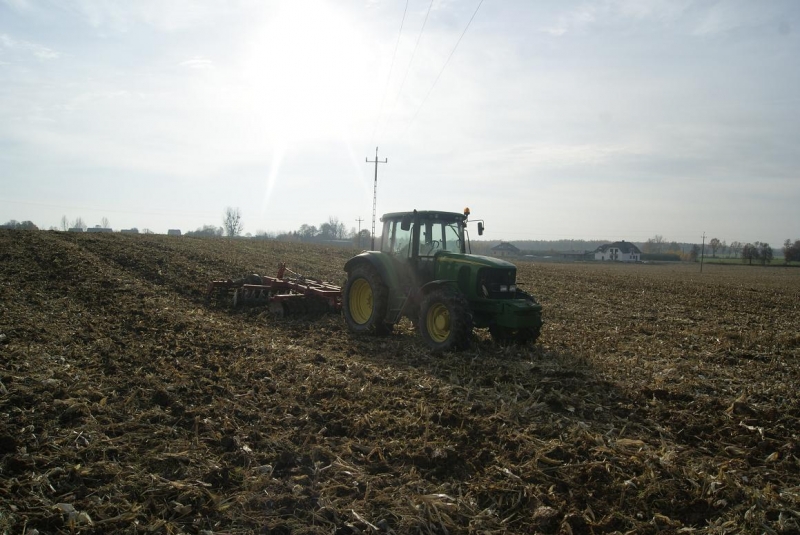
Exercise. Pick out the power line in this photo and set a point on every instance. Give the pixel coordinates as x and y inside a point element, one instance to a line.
<point>443,67</point>
<point>413,53</point>
<point>391,67</point>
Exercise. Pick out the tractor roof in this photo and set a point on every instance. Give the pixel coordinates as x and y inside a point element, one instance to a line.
<point>424,214</point>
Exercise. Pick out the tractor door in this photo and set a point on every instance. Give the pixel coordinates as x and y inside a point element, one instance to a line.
<point>398,244</point>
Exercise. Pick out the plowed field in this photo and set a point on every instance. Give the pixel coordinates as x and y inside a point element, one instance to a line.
<point>658,400</point>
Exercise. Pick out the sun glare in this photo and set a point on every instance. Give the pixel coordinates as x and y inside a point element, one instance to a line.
<point>307,76</point>
<point>307,70</point>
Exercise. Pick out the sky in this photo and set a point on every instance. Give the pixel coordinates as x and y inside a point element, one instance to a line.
<point>605,119</point>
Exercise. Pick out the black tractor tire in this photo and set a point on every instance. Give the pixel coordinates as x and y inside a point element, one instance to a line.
<point>365,299</point>
<point>445,320</point>
<point>505,336</point>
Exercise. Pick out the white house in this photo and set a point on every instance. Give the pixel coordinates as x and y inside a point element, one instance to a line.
<point>620,251</point>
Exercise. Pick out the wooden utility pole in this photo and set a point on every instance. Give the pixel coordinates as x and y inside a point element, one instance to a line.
<point>375,192</point>
<point>702,252</point>
<point>359,231</point>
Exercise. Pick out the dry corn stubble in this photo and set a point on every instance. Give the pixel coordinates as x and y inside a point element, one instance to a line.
<point>658,399</point>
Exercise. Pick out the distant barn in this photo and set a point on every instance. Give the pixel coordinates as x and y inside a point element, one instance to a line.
<point>174,232</point>
<point>76,229</point>
<point>505,249</point>
<point>130,231</point>
<point>99,229</point>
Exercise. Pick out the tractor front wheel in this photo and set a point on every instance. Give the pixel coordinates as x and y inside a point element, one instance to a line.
<point>364,301</point>
<point>445,320</point>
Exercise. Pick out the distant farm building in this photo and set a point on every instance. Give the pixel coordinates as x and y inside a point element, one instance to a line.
<point>174,232</point>
<point>99,229</point>
<point>620,251</point>
<point>505,249</point>
<point>574,256</point>
<point>129,231</point>
<point>76,229</point>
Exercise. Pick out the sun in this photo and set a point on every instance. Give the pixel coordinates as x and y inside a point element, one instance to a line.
<point>307,69</point>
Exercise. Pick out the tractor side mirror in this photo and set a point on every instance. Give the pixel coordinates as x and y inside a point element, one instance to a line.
<point>405,223</point>
<point>480,228</point>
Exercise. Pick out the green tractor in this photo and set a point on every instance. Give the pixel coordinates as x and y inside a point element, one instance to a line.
<point>423,272</point>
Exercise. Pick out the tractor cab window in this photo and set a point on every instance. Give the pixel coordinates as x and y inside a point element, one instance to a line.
<point>438,236</point>
<point>396,241</point>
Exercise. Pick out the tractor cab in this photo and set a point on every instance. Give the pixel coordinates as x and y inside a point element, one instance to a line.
<point>423,234</point>
<point>414,239</point>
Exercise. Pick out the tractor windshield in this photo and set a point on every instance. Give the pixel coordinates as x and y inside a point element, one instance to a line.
<point>440,235</point>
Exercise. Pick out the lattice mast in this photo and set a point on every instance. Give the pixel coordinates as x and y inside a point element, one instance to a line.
<point>375,192</point>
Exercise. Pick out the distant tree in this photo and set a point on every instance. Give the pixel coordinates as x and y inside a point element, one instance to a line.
<point>64,223</point>
<point>327,232</point>
<point>714,244</point>
<point>749,253</point>
<point>13,224</point>
<point>307,232</point>
<point>104,222</point>
<point>147,231</point>
<point>655,244</point>
<point>232,222</point>
<point>206,230</point>
<point>264,235</point>
<point>362,239</point>
<point>735,248</point>
<point>791,251</point>
<point>722,247</point>
<point>694,252</point>
<point>765,253</point>
<point>79,223</point>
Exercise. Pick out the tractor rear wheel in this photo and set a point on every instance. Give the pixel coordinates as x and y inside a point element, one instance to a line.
<point>364,301</point>
<point>445,320</point>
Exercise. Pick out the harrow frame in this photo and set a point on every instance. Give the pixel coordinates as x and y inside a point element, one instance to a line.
<point>286,294</point>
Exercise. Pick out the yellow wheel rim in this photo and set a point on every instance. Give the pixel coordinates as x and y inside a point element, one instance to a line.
<point>438,323</point>
<point>360,302</point>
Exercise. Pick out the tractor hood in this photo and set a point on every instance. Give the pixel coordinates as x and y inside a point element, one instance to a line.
<point>446,257</point>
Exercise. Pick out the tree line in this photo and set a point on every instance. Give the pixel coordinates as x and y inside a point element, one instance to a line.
<point>335,230</point>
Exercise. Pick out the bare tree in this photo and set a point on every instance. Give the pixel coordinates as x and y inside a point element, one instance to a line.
<point>735,247</point>
<point>714,244</point>
<point>64,223</point>
<point>655,244</point>
<point>232,221</point>
<point>104,222</point>
<point>78,223</point>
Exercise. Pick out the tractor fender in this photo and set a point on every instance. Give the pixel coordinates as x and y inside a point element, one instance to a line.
<point>435,285</point>
<point>370,258</point>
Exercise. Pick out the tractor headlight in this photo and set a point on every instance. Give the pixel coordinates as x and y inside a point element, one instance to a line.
<point>503,288</point>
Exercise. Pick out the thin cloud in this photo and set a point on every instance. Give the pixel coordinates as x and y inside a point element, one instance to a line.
<point>198,63</point>
<point>39,51</point>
